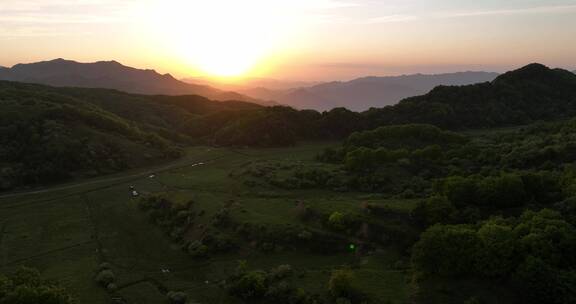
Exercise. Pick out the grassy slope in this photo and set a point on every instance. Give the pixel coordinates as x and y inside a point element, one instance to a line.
<point>58,231</point>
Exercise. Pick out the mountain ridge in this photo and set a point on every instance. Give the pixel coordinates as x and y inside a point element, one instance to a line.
<point>533,92</point>
<point>50,134</point>
<point>366,92</point>
<point>111,75</point>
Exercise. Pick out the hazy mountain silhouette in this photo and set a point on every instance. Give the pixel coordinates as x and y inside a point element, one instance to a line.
<point>111,75</point>
<point>363,93</point>
<point>248,83</point>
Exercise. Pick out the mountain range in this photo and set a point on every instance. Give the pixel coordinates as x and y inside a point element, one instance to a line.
<point>111,75</point>
<point>247,83</point>
<point>358,94</point>
<point>363,93</point>
<point>50,133</point>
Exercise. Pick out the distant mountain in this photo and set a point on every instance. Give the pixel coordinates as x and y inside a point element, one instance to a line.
<point>363,93</point>
<point>250,83</point>
<point>532,93</point>
<point>110,75</point>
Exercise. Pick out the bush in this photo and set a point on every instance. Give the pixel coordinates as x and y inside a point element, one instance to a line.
<point>249,286</point>
<point>197,249</point>
<point>341,285</point>
<point>105,277</point>
<point>337,221</point>
<point>281,272</point>
<point>27,287</point>
<point>446,250</point>
<point>104,266</point>
<point>177,297</point>
<point>111,287</point>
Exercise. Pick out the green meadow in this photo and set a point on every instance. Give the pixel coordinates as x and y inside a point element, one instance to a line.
<point>69,230</point>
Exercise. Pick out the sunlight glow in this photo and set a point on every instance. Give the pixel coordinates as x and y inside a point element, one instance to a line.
<point>229,38</point>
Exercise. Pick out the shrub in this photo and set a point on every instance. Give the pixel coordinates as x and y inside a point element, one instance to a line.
<point>177,297</point>
<point>105,277</point>
<point>104,266</point>
<point>111,287</point>
<point>222,217</point>
<point>341,285</point>
<point>281,272</point>
<point>249,286</point>
<point>446,250</point>
<point>197,249</point>
<point>337,221</point>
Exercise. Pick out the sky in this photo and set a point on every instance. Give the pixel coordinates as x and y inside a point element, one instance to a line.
<point>310,40</point>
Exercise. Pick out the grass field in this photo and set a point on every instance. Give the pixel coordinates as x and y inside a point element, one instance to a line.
<point>68,230</point>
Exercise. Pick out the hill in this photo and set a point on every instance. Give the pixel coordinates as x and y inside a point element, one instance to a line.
<point>363,93</point>
<point>116,120</point>
<point>534,92</point>
<point>110,75</point>
<point>52,134</point>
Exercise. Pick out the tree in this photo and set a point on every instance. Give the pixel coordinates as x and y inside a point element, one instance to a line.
<point>459,190</point>
<point>542,283</point>
<point>250,285</point>
<point>447,250</point>
<point>547,236</point>
<point>25,286</point>
<point>497,256</point>
<point>438,209</point>
<point>337,220</point>
<point>504,191</point>
<point>341,285</point>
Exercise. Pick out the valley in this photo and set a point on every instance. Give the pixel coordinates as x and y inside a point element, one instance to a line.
<point>447,197</point>
<point>68,232</point>
<point>287,152</point>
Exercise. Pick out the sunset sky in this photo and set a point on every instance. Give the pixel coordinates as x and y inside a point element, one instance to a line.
<point>292,39</point>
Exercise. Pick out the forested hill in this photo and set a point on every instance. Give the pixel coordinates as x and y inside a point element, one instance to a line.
<point>52,134</point>
<point>534,92</point>
<point>529,94</point>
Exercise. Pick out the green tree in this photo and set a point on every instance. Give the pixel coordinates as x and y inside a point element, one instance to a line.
<point>506,190</point>
<point>25,286</point>
<point>337,220</point>
<point>447,250</point>
<point>438,209</point>
<point>341,284</point>
<point>497,256</point>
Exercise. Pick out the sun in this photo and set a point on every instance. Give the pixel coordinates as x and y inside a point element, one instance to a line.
<point>221,38</point>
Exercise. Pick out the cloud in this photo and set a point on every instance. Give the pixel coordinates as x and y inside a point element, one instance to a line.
<point>390,19</point>
<point>321,4</point>
<point>42,18</point>
<point>514,11</point>
<point>459,14</point>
